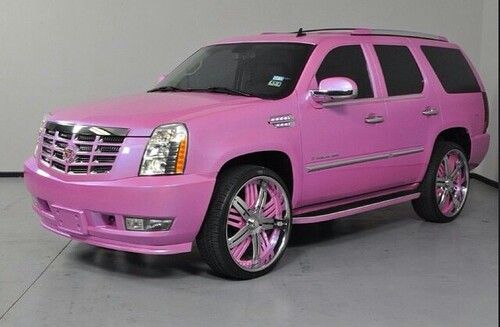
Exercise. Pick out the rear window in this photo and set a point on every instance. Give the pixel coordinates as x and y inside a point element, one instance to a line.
<point>401,73</point>
<point>452,69</point>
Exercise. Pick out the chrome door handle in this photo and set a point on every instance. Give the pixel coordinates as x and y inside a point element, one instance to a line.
<point>374,119</point>
<point>430,111</point>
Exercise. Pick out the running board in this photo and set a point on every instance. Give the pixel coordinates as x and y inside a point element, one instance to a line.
<point>352,209</point>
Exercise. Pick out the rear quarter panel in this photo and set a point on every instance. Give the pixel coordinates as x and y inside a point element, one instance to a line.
<point>464,110</point>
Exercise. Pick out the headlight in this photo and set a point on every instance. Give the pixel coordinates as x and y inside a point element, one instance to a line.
<point>166,151</point>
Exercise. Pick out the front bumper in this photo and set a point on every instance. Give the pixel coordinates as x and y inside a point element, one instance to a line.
<point>93,211</point>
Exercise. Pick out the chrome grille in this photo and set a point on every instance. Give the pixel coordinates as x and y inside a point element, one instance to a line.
<point>77,149</point>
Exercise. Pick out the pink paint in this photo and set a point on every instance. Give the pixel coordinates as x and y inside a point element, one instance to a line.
<point>393,154</point>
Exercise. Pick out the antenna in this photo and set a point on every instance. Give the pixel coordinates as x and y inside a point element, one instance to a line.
<point>300,32</point>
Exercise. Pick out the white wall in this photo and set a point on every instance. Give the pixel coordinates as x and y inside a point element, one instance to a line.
<point>488,68</point>
<point>62,52</point>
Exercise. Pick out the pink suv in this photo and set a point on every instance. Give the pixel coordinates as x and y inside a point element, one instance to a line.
<point>253,134</point>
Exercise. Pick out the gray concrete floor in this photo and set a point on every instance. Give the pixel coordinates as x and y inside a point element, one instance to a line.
<point>384,268</point>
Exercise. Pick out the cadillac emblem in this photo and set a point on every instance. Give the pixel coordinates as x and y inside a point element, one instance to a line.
<point>69,154</point>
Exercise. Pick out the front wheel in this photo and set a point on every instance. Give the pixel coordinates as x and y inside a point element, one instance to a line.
<point>445,186</point>
<point>248,223</point>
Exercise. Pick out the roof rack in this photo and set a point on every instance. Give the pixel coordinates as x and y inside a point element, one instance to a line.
<point>369,31</point>
<point>399,33</point>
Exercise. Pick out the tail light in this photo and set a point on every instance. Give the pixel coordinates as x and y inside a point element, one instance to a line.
<point>486,112</point>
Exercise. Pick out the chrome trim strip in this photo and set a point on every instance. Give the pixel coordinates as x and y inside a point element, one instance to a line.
<point>355,160</point>
<point>404,152</point>
<point>70,128</point>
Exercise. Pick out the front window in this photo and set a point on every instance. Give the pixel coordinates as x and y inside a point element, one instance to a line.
<point>264,70</point>
<point>347,61</point>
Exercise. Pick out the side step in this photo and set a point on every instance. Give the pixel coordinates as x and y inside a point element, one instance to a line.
<point>353,208</point>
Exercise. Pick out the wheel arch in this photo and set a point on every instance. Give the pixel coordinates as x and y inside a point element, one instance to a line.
<point>278,161</point>
<point>456,133</point>
<point>459,135</point>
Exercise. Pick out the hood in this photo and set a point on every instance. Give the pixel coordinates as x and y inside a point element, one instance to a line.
<point>144,112</point>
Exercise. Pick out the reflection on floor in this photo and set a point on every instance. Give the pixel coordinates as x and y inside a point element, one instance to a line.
<point>383,268</point>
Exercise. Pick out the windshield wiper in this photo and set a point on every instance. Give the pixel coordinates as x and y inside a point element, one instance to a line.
<point>168,89</point>
<point>225,90</point>
<point>214,89</point>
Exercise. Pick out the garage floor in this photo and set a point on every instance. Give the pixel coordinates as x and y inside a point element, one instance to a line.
<point>384,268</point>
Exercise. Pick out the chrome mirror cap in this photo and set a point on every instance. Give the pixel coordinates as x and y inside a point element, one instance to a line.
<point>335,89</point>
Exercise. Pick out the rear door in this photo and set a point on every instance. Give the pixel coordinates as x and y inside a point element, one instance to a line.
<point>413,110</point>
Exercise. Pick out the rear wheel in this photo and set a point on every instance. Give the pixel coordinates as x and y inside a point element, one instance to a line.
<point>445,186</point>
<point>248,223</point>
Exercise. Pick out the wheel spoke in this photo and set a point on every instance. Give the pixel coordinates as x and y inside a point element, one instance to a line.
<point>267,246</point>
<point>265,239</point>
<point>240,249</point>
<point>255,249</point>
<point>250,194</point>
<point>235,220</point>
<point>269,212</point>
<point>443,198</point>
<point>446,167</point>
<point>261,198</point>
<point>458,167</point>
<point>440,182</point>
<point>456,202</point>
<point>241,207</point>
<point>269,223</point>
<point>239,237</point>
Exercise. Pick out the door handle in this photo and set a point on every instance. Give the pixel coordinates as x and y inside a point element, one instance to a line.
<point>430,111</point>
<point>374,119</point>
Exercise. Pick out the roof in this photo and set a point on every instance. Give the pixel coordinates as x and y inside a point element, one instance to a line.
<point>314,36</point>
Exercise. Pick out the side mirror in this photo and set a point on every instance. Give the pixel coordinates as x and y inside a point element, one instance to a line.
<point>161,78</point>
<point>335,89</point>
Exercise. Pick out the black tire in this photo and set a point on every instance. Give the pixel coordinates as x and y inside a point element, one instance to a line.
<point>426,206</point>
<point>212,238</point>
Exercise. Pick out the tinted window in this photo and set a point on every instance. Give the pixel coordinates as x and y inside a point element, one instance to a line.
<point>266,70</point>
<point>401,73</point>
<point>347,61</point>
<point>452,69</point>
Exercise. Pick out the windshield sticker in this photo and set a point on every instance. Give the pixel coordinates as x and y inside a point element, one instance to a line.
<point>277,81</point>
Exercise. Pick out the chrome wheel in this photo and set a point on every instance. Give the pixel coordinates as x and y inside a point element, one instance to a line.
<point>258,223</point>
<point>452,183</point>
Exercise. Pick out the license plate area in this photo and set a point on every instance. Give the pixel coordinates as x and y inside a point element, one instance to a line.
<point>70,221</point>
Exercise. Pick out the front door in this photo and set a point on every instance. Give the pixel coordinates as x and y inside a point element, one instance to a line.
<point>344,144</point>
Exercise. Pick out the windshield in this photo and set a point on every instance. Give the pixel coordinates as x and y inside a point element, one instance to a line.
<point>264,70</point>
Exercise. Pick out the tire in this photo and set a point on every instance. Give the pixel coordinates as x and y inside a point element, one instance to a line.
<point>445,186</point>
<point>248,202</point>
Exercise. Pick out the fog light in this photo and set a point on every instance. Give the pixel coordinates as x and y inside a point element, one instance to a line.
<point>147,224</point>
